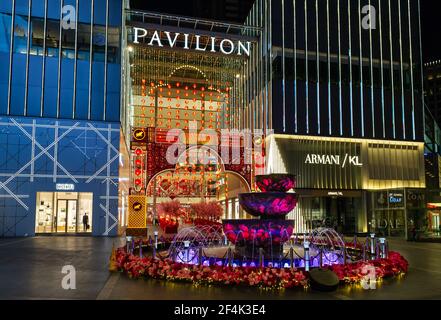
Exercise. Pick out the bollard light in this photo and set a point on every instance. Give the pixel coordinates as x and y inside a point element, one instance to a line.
<point>306,249</point>
<point>156,239</point>
<point>128,241</point>
<point>373,245</point>
<point>291,257</point>
<point>383,248</point>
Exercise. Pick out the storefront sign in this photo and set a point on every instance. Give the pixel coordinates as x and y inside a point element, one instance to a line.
<point>333,160</point>
<point>65,187</point>
<point>225,46</point>
<point>335,194</point>
<point>396,198</point>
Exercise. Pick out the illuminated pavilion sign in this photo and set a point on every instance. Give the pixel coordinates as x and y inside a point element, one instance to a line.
<point>212,44</point>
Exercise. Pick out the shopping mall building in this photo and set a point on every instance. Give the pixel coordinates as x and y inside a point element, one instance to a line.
<point>327,92</point>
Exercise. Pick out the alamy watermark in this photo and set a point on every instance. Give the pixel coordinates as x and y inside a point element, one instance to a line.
<point>208,146</point>
<point>369,281</point>
<point>69,281</point>
<point>369,21</point>
<point>69,17</point>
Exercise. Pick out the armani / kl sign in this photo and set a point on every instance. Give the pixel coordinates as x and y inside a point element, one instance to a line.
<point>226,46</point>
<point>335,160</point>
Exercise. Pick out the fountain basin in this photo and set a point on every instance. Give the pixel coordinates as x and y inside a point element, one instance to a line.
<point>276,182</point>
<point>258,233</point>
<point>271,205</point>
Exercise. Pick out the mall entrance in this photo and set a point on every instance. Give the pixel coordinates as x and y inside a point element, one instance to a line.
<point>339,210</point>
<point>64,213</point>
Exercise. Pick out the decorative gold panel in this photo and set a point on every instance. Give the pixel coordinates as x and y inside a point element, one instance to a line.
<point>137,212</point>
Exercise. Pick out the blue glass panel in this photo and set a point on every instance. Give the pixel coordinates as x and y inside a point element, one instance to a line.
<point>22,7</point>
<point>18,84</point>
<point>85,11</point>
<point>82,95</point>
<point>5,36</point>
<point>97,91</point>
<point>84,42</point>
<point>5,32</point>
<point>52,38</point>
<point>70,3</point>
<point>53,9</point>
<point>113,92</point>
<point>6,6</point>
<point>37,33</point>
<point>34,85</point>
<point>99,43</point>
<point>99,12</point>
<point>4,79</point>
<point>66,94</point>
<point>37,9</point>
<point>115,12</point>
<point>50,87</point>
<point>20,34</point>
<point>113,43</point>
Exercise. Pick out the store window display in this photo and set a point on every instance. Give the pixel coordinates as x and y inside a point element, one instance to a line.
<point>64,212</point>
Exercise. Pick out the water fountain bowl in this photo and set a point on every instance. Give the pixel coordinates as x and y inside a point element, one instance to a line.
<point>274,205</point>
<point>258,233</point>
<point>276,182</point>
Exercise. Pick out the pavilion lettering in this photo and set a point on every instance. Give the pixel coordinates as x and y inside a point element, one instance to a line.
<point>191,42</point>
<point>333,160</point>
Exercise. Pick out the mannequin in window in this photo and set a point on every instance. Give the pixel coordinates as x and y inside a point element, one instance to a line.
<point>85,222</point>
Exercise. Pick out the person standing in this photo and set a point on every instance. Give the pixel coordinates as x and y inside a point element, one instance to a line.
<point>85,222</point>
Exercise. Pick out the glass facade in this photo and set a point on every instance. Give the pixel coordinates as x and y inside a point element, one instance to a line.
<point>64,212</point>
<point>60,79</point>
<point>328,72</point>
<point>64,59</point>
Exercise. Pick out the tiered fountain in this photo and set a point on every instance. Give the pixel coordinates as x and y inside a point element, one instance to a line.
<point>268,233</point>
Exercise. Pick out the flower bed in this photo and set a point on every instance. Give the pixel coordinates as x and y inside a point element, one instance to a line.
<point>270,278</point>
<point>265,278</point>
<point>354,273</point>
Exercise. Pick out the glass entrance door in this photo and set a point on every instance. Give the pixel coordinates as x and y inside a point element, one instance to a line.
<point>61,216</point>
<point>66,216</point>
<point>72,216</point>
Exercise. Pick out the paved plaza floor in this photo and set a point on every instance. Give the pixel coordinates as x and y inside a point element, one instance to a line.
<point>31,268</point>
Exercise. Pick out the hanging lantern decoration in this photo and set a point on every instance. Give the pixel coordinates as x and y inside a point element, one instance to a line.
<point>138,169</point>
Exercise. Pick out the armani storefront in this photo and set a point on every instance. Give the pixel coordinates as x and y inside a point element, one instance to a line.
<point>353,185</point>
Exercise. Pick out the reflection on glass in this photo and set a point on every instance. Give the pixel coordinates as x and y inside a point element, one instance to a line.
<point>61,216</point>
<point>85,212</point>
<point>99,43</point>
<point>71,216</point>
<point>52,38</point>
<point>44,215</point>
<point>20,34</point>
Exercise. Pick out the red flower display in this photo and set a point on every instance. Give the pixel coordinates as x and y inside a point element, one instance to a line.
<point>266,278</point>
<point>247,232</point>
<point>393,266</point>
<point>274,204</point>
<point>211,211</point>
<point>275,182</point>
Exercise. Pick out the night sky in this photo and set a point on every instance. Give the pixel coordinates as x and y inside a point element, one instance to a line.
<point>430,19</point>
<point>431,29</point>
